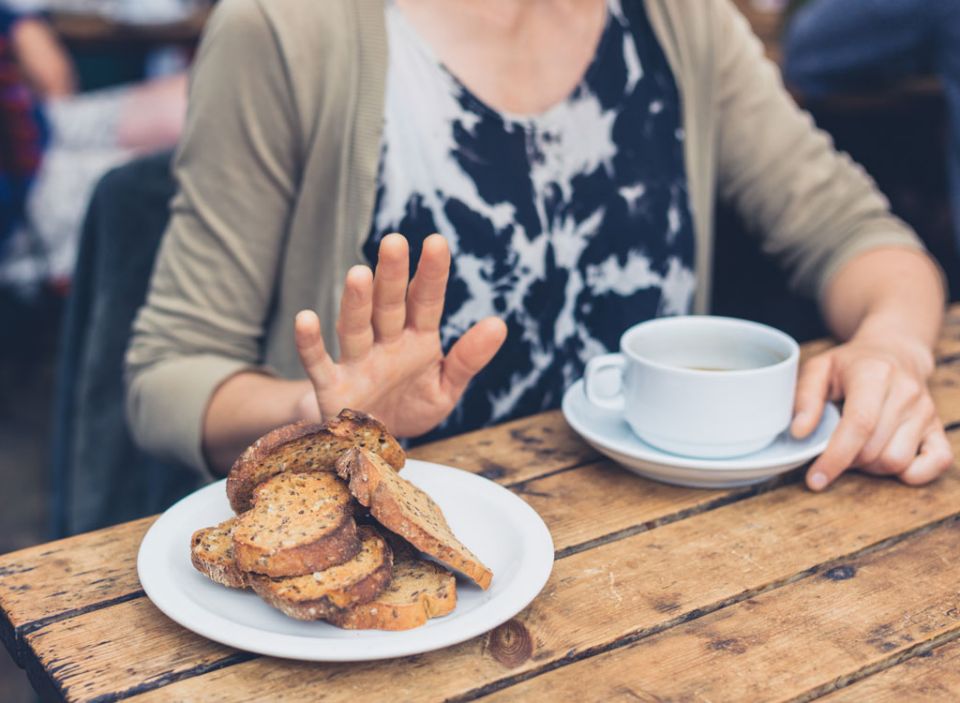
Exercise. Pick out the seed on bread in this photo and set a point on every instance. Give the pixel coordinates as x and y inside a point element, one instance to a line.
<point>325,593</point>
<point>299,523</point>
<point>419,590</point>
<point>211,552</point>
<point>403,508</point>
<point>305,447</point>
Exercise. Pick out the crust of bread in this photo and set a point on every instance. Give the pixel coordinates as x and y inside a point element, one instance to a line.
<point>299,523</point>
<point>419,590</point>
<point>403,508</point>
<point>305,447</point>
<point>211,553</point>
<point>324,594</point>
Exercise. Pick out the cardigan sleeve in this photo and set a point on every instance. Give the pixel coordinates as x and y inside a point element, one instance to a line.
<point>813,207</point>
<point>213,283</point>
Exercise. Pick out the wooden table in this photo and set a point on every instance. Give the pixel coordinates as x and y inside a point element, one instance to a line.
<point>658,593</point>
<point>94,30</point>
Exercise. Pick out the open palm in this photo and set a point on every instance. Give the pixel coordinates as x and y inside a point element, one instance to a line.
<point>391,361</point>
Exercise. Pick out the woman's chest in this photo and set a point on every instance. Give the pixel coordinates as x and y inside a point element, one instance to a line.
<point>576,218</point>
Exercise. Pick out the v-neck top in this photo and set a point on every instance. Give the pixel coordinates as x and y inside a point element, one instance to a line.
<point>571,224</point>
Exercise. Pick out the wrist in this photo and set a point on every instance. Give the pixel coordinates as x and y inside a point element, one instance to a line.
<point>305,405</point>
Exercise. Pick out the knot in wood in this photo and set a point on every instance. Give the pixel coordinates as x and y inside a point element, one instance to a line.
<point>511,644</point>
<point>841,573</point>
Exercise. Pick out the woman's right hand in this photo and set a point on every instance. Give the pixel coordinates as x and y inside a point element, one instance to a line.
<point>391,361</point>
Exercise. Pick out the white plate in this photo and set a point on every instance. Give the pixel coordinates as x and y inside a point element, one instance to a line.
<point>609,434</point>
<point>501,529</point>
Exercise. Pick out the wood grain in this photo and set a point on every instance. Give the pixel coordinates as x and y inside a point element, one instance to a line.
<point>96,654</point>
<point>607,595</point>
<point>629,505</point>
<point>603,502</point>
<point>514,451</point>
<point>641,563</point>
<point>70,576</point>
<point>932,676</point>
<point>788,643</point>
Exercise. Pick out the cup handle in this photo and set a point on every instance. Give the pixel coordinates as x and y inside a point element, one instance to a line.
<point>597,366</point>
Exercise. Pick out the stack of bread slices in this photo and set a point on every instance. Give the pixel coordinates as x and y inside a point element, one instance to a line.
<point>327,529</point>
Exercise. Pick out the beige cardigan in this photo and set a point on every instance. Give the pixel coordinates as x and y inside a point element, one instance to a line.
<point>277,169</point>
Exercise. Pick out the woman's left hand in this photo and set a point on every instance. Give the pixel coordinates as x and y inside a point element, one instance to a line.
<point>889,424</point>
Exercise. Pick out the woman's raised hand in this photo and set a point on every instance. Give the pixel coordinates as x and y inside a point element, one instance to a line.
<point>391,361</point>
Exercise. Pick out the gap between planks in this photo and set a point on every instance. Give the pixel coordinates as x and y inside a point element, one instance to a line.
<point>530,437</point>
<point>507,682</point>
<point>518,486</point>
<point>720,501</point>
<point>927,675</point>
<point>736,649</point>
<point>703,610</point>
<point>734,496</point>
<point>877,667</point>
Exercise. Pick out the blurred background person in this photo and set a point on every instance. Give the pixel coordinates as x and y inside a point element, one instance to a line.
<point>61,142</point>
<point>842,47</point>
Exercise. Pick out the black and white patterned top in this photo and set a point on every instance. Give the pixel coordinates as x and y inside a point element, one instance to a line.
<point>571,225</point>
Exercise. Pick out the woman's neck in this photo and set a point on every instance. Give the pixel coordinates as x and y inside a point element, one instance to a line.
<point>519,56</point>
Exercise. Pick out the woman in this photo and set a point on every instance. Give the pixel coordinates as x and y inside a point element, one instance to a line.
<point>568,152</point>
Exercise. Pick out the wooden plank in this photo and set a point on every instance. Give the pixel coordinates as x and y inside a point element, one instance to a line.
<point>89,656</point>
<point>604,502</point>
<point>514,451</point>
<point>930,676</point>
<point>621,504</point>
<point>67,577</point>
<point>789,644</point>
<point>944,389</point>
<point>602,596</point>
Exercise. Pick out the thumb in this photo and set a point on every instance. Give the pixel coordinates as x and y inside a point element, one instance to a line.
<point>471,353</point>
<point>313,354</point>
<point>813,388</point>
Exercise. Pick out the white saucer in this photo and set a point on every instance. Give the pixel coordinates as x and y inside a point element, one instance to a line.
<point>608,433</point>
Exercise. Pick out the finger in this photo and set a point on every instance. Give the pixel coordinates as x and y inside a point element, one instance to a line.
<point>902,401</point>
<point>936,456</point>
<point>390,288</point>
<point>901,448</point>
<point>813,388</point>
<point>356,306</point>
<point>428,288</point>
<point>471,353</point>
<point>865,391</point>
<point>313,353</point>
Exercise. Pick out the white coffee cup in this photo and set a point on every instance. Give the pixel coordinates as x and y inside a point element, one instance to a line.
<point>698,386</point>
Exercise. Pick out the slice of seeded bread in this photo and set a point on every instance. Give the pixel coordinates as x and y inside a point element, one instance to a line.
<point>419,590</point>
<point>324,594</point>
<point>299,523</point>
<point>305,447</point>
<point>211,551</point>
<point>403,508</point>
